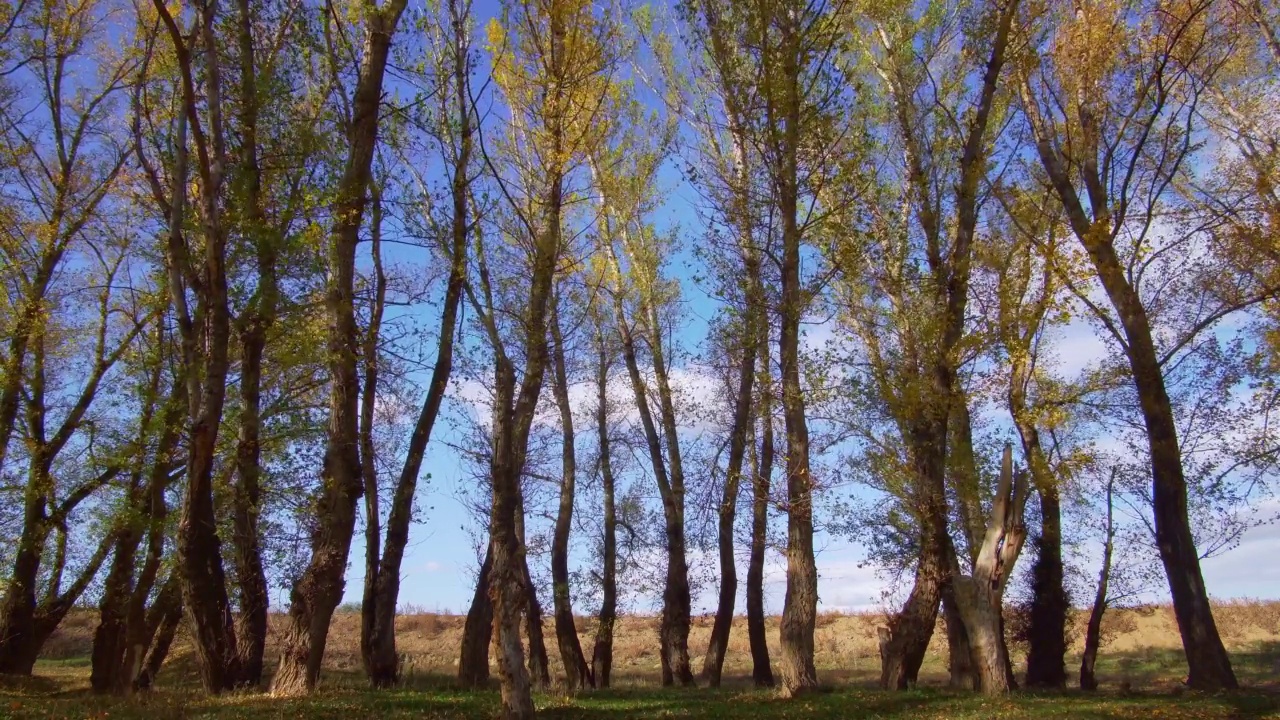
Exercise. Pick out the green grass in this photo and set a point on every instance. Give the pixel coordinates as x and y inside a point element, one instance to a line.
<point>63,697</point>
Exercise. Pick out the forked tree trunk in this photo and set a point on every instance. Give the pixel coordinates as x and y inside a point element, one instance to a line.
<point>378,641</point>
<point>477,631</point>
<point>577,673</point>
<point>602,655</point>
<point>318,590</point>
<point>980,596</point>
<point>206,338</point>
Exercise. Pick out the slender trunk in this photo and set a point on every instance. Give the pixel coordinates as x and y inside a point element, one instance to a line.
<point>674,628</point>
<point>251,577</point>
<point>577,674</point>
<point>1207,659</point>
<point>713,661</point>
<point>677,603</point>
<point>602,656</point>
<point>477,631</point>
<point>319,589</point>
<point>150,648</point>
<point>384,674</point>
<point>539,664</point>
<point>381,642</point>
<point>799,612</point>
<point>1093,631</point>
<point>761,669</point>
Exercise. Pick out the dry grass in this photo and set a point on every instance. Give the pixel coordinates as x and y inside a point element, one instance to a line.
<point>1142,645</point>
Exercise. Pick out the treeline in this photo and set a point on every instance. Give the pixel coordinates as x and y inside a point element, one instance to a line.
<point>251,249</point>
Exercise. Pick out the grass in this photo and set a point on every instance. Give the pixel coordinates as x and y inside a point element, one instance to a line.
<point>58,692</point>
<point>1142,656</point>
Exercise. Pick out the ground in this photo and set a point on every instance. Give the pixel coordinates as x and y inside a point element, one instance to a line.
<point>1140,669</point>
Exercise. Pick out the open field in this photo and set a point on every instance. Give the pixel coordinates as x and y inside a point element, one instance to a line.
<point>1140,668</point>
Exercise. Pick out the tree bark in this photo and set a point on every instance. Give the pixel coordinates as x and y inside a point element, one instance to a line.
<point>602,655</point>
<point>477,631</point>
<point>1093,631</point>
<point>906,638</point>
<point>379,668</point>
<point>254,325</point>
<point>980,596</point>
<point>713,661</point>
<point>577,673</point>
<point>761,669</point>
<point>674,628</point>
<point>539,664</point>
<point>205,344</point>
<point>319,590</point>
<point>959,652</point>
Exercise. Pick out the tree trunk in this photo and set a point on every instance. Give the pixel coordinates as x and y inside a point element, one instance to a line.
<point>318,591</point>
<point>982,623</point>
<point>539,665</point>
<point>147,652</point>
<point>959,652</point>
<point>979,596</point>
<point>477,631</point>
<point>800,607</point>
<point>1046,656</point>
<point>17,614</point>
<point>761,669</point>
<point>509,590</point>
<point>1046,665</point>
<point>255,323</point>
<point>379,666</point>
<point>674,628</point>
<point>602,655</point>
<point>713,661</point>
<point>1093,631</point>
<point>905,640</point>
<point>577,674</point>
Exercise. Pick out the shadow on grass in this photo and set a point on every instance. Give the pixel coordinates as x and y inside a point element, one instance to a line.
<point>60,691</point>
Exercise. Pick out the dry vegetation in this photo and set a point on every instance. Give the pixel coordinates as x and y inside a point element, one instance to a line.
<point>1142,647</point>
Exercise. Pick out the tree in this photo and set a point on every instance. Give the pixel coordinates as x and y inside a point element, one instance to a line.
<point>382,574</point>
<point>317,592</point>
<point>552,66</point>
<point>921,277</point>
<point>64,153</point>
<point>1133,124</point>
